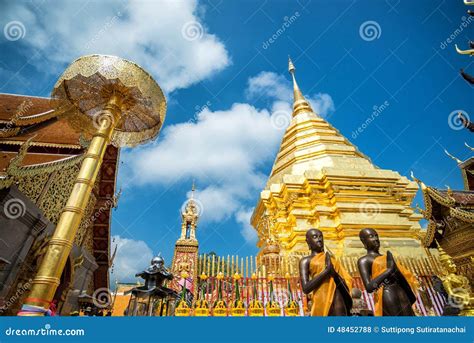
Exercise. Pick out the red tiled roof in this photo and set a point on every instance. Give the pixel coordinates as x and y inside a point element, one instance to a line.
<point>56,133</point>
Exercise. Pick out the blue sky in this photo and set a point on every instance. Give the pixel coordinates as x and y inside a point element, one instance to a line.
<point>223,66</point>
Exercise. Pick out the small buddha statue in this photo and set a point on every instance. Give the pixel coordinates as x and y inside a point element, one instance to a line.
<point>456,286</point>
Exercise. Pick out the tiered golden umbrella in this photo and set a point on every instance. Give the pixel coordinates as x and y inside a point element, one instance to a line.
<point>111,101</point>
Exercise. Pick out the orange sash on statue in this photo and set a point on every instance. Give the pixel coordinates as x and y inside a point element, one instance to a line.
<point>323,296</point>
<point>378,267</point>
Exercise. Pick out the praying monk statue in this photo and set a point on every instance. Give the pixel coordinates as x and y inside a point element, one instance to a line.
<point>323,276</point>
<point>394,286</point>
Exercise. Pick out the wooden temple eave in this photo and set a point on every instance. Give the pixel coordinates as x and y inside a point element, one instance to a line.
<point>34,118</point>
<point>441,205</point>
<point>461,214</point>
<point>43,144</point>
<point>46,167</point>
<point>7,132</point>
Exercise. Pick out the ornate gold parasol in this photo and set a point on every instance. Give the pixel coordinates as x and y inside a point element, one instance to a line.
<point>112,101</point>
<point>88,84</point>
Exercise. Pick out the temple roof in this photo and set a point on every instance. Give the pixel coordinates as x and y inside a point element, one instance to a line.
<point>467,169</point>
<point>34,140</point>
<point>24,118</point>
<point>444,204</point>
<point>436,198</point>
<point>57,132</point>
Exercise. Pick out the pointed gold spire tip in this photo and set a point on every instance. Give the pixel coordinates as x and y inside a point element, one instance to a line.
<point>291,66</point>
<point>193,188</point>
<point>300,104</point>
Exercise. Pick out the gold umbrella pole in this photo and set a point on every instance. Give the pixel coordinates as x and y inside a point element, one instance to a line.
<point>47,279</point>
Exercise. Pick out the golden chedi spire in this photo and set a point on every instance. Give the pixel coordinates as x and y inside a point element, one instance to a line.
<point>310,141</point>
<point>300,104</point>
<point>320,179</point>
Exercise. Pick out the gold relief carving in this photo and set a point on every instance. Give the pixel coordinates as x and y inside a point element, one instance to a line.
<point>185,263</point>
<point>39,248</point>
<point>33,182</point>
<point>58,192</point>
<point>32,186</point>
<point>88,241</point>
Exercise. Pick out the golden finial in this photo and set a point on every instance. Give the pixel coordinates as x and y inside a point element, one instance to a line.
<point>420,210</point>
<point>220,276</point>
<point>418,181</point>
<point>464,52</point>
<point>454,158</point>
<point>287,276</point>
<point>291,66</point>
<point>300,104</point>
<point>193,188</point>
<point>449,191</point>
<point>237,276</point>
<point>203,276</point>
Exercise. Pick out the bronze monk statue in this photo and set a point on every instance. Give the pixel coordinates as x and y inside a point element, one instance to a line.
<point>394,286</point>
<point>326,278</point>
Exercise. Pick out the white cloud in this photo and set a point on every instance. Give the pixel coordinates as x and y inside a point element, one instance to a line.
<point>322,104</point>
<point>224,151</point>
<point>278,88</point>
<point>167,38</point>
<point>248,232</point>
<point>271,85</point>
<point>132,257</point>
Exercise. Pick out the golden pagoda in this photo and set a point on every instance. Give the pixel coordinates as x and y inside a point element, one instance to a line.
<point>320,179</point>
